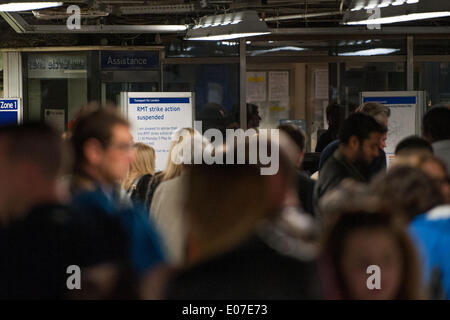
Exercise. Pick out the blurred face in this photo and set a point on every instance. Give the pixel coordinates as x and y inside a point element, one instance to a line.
<point>364,248</point>
<point>435,171</point>
<point>368,150</point>
<point>383,141</point>
<point>118,156</point>
<point>254,120</point>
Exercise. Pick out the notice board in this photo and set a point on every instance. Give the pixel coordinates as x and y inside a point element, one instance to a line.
<point>155,116</point>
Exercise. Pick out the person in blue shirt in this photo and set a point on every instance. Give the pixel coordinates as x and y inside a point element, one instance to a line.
<point>431,231</point>
<point>103,150</point>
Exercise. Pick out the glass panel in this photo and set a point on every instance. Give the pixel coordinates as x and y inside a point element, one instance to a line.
<point>370,76</point>
<point>342,47</point>
<point>431,46</point>
<point>57,87</point>
<point>216,88</point>
<point>434,78</point>
<point>202,49</point>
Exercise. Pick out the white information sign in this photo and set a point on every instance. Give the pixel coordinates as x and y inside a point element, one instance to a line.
<point>407,109</point>
<point>256,87</point>
<point>278,85</point>
<point>155,116</point>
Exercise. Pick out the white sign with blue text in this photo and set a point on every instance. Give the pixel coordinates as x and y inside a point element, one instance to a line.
<point>155,116</point>
<point>407,109</point>
<point>9,111</point>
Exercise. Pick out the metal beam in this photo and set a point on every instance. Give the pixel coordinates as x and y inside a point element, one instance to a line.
<point>410,64</point>
<point>243,82</point>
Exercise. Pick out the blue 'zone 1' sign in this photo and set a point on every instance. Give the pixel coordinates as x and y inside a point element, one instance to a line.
<point>9,109</point>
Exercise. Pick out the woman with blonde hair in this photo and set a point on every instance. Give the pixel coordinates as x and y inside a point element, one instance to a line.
<point>173,169</point>
<point>140,173</point>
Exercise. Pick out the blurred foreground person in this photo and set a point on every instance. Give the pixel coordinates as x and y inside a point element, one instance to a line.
<point>381,114</point>
<point>103,149</point>
<point>361,242</point>
<point>40,237</point>
<point>172,169</point>
<point>431,231</point>
<point>235,248</point>
<point>305,185</point>
<point>167,210</point>
<point>140,173</point>
<point>358,147</point>
<point>434,167</point>
<point>409,190</point>
<point>436,129</point>
<point>412,145</point>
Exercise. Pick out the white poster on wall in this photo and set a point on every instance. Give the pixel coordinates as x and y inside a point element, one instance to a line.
<point>407,109</point>
<point>321,84</point>
<point>278,85</point>
<point>155,116</point>
<point>256,87</point>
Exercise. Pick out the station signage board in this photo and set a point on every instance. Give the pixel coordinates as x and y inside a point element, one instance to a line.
<point>129,60</point>
<point>9,111</point>
<point>155,116</point>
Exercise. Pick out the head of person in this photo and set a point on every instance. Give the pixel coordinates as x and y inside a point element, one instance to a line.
<point>143,164</point>
<point>359,138</point>
<point>296,135</point>
<point>253,118</point>
<point>225,203</point>
<point>434,167</point>
<point>333,113</point>
<point>32,159</point>
<point>380,113</point>
<point>213,116</point>
<point>183,150</point>
<point>413,144</point>
<point>369,246</point>
<point>103,146</point>
<point>436,124</point>
<point>410,190</point>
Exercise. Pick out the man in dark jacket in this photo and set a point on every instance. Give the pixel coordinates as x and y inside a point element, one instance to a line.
<point>42,241</point>
<point>358,147</point>
<point>381,114</point>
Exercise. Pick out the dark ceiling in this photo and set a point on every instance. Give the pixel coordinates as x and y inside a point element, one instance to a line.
<point>308,14</point>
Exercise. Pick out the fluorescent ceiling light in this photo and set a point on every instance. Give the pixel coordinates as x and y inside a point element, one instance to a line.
<point>397,11</point>
<point>369,52</point>
<point>288,48</point>
<point>403,18</point>
<point>371,4</point>
<point>27,6</point>
<point>229,26</point>
<point>228,36</point>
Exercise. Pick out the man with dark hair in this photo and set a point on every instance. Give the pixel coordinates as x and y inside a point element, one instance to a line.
<point>413,144</point>
<point>358,145</point>
<point>305,185</point>
<point>103,148</point>
<point>436,129</point>
<point>381,114</point>
<point>40,237</point>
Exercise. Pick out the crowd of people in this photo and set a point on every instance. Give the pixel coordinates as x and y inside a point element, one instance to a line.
<point>87,215</point>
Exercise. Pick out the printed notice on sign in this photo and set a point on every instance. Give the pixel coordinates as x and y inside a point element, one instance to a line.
<point>256,86</point>
<point>278,85</point>
<point>156,116</point>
